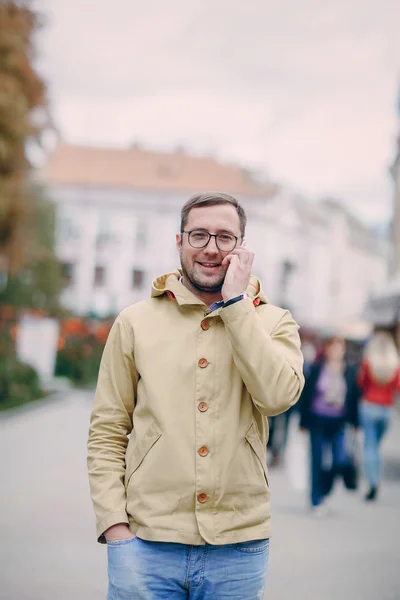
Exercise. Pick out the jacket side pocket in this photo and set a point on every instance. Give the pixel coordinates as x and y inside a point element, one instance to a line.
<point>142,448</point>
<point>256,445</point>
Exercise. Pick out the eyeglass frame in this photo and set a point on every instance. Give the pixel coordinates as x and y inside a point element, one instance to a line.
<point>211,235</point>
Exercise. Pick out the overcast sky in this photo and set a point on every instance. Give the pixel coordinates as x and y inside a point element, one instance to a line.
<point>301,89</point>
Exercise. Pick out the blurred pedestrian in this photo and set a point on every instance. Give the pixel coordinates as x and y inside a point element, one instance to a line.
<point>190,375</point>
<point>278,432</point>
<point>379,380</point>
<point>309,350</point>
<point>329,401</point>
<point>279,425</point>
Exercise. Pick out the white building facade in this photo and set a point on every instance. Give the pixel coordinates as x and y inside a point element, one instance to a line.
<point>115,235</point>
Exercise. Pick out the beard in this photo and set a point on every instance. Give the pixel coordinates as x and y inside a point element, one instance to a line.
<point>199,281</point>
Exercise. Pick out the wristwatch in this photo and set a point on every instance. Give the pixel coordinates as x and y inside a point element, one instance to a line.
<point>236,299</point>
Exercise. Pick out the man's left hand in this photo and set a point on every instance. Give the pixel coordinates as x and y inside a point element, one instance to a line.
<point>237,276</point>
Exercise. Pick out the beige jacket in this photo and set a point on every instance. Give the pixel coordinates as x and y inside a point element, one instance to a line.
<point>178,434</point>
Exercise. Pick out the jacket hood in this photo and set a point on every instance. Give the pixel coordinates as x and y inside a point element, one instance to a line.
<point>170,285</point>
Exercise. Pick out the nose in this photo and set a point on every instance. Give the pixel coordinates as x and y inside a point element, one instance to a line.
<point>211,247</point>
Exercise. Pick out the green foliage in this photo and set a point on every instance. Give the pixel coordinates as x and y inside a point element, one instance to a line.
<point>39,283</point>
<point>80,359</point>
<point>19,383</point>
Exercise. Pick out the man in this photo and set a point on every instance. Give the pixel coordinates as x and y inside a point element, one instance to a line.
<point>191,374</point>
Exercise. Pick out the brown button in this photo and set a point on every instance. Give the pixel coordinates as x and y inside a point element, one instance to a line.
<point>202,406</point>
<point>202,498</point>
<point>203,451</point>
<point>203,362</point>
<point>205,325</point>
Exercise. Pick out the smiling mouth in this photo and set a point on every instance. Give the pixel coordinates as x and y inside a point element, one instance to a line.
<point>209,266</point>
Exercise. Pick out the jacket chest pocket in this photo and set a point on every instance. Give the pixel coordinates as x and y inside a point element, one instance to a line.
<point>141,449</point>
<point>256,445</point>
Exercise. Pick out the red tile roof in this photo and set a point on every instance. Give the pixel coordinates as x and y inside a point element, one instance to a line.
<point>143,169</point>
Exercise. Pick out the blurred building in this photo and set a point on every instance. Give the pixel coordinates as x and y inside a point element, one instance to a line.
<point>322,263</point>
<point>383,307</point>
<point>118,213</point>
<point>394,263</point>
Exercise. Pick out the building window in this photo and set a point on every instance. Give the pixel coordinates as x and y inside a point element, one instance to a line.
<point>101,240</point>
<point>67,273</point>
<point>138,279</point>
<point>105,235</point>
<point>99,276</point>
<point>141,235</point>
<point>68,230</point>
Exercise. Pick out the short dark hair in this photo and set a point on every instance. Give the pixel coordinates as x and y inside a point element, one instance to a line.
<point>213,199</point>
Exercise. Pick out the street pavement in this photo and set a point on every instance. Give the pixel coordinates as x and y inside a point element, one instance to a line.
<point>48,548</point>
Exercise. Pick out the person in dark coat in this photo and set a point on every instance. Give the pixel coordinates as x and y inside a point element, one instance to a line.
<point>329,400</point>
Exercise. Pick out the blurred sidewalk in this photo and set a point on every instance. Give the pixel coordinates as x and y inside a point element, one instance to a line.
<point>48,548</point>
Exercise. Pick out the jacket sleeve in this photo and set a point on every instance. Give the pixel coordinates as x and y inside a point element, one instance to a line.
<point>271,365</point>
<point>110,424</point>
<point>308,394</point>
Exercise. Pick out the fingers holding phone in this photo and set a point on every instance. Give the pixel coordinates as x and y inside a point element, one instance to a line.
<point>237,276</point>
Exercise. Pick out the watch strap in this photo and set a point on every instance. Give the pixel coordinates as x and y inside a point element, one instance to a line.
<point>236,299</point>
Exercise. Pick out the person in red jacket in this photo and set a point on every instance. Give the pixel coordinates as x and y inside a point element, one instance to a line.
<point>379,380</point>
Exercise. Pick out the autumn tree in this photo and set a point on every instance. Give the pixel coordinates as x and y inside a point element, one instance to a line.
<point>31,273</point>
<point>23,120</point>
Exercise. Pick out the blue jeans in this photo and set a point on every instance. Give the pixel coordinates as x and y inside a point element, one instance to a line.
<point>375,421</point>
<point>141,570</point>
<point>326,435</point>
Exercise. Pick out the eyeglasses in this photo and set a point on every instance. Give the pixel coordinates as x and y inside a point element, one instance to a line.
<point>226,242</point>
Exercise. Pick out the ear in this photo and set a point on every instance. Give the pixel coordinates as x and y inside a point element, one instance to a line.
<point>178,240</point>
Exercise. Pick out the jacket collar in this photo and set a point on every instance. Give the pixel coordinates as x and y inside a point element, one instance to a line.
<point>170,285</point>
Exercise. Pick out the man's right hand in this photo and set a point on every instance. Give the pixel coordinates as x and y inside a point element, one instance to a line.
<point>120,531</point>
